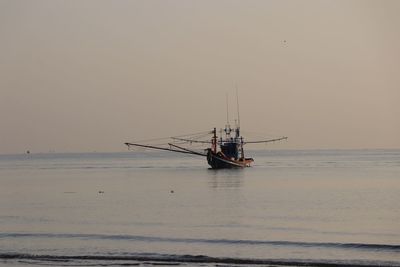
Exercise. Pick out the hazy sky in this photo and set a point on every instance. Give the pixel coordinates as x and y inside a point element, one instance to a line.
<point>91,75</point>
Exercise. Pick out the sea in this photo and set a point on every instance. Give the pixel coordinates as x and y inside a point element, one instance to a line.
<point>291,208</point>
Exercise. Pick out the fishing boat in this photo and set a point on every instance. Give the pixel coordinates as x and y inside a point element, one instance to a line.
<point>222,151</point>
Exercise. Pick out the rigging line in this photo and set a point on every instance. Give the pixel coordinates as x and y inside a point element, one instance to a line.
<point>169,140</point>
<point>153,139</point>
<point>183,135</point>
<point>265,141</point>
<point>200,138</point>
<point>191,140</point>
<point>161,148</point>
<point>194,137</point>
<point>190,143</point>
<point>268,132</point>
<point>205,133</point>
<point>261,135</point>
<point>188,150</point>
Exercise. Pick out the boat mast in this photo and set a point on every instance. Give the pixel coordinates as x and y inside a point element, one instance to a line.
<point>227,110</point>
<point>227,126</point>
<point>238,125</point>
<point>238,115</point>
<point>214,140</point>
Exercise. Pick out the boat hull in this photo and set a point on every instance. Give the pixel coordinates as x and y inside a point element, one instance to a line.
<point>219,161</point>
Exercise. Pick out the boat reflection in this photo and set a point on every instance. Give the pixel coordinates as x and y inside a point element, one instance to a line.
<point>225,178</point>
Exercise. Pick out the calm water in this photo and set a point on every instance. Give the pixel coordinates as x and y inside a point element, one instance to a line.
<point>291,208</point>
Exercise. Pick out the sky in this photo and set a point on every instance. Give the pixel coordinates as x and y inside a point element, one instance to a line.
<point>84,76</point>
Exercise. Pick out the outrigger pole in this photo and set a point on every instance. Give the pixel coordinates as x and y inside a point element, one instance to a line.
<point>187,150</point>
<point>183,150</point>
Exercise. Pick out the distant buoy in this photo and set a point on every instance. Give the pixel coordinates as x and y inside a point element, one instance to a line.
<point>28,152</point>
<point>172,191</point>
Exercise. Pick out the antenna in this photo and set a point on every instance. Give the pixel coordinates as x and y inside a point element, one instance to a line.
<point>237,103</point>
<point>227,110</point>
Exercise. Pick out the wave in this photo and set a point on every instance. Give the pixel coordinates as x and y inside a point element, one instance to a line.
<point>163,259</point>
<point>363,246</point>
